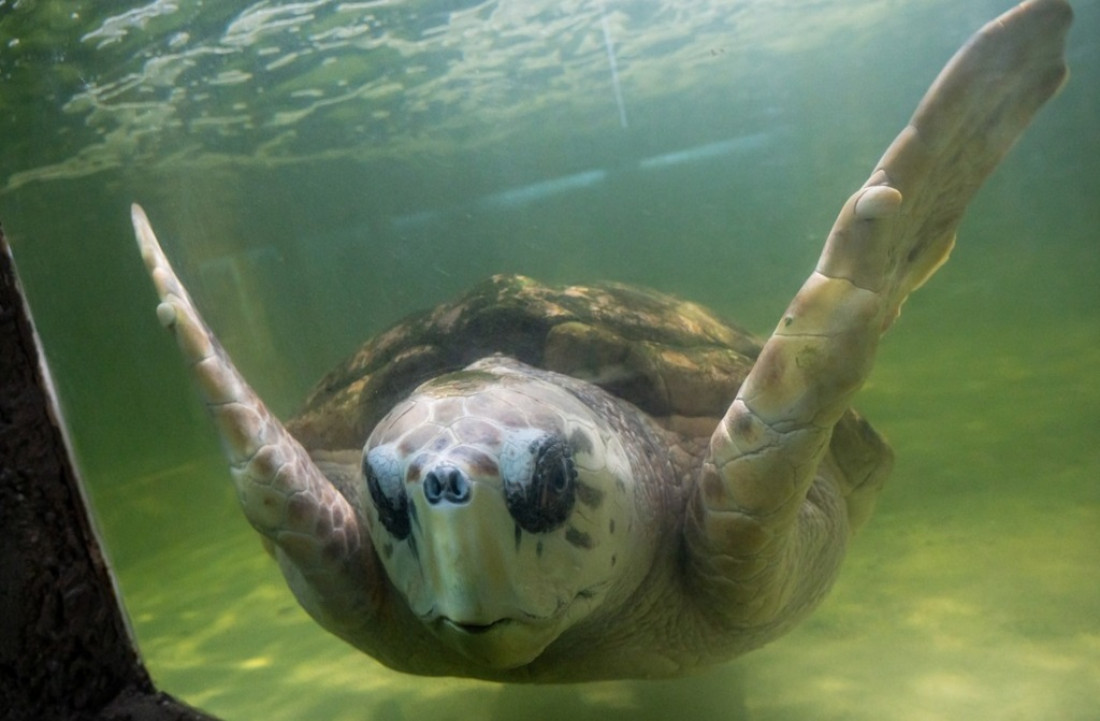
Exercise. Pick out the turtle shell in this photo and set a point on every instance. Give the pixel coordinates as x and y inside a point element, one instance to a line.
<point>674,360</point>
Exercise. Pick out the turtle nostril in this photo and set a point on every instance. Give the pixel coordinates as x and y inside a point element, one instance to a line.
<point>459,488</point>
<point>433,488</point>
<point>446,483</point>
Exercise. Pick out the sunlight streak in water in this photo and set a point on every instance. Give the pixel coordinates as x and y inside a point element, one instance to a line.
<point>610,45</point>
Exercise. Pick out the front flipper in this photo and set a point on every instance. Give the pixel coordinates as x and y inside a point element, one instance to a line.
<point>768,520</point>
<point>314,530</point>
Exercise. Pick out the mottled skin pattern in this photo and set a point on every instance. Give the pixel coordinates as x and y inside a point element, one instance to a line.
<point>511,523</point>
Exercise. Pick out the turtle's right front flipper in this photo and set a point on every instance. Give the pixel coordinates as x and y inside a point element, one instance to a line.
<point>284,495</point>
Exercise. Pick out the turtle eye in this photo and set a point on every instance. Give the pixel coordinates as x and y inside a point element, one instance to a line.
<point>542,500</point>
<point>388,494</point>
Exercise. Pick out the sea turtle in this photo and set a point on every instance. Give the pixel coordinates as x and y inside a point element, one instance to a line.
<point>566,484</point>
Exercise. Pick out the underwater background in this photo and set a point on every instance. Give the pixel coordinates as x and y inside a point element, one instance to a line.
<point>317,170</point>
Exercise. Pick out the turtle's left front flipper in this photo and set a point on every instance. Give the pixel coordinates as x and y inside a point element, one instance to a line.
<point>769,518</point>
<point>314,530</point>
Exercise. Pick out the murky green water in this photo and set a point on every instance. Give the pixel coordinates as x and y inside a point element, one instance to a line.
<point>318,169</point>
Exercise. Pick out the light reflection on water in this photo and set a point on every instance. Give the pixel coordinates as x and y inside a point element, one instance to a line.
<point>174,84</point>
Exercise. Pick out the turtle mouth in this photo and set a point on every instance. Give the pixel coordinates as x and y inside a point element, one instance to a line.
<point>474,629</point>
<point>505,643</point>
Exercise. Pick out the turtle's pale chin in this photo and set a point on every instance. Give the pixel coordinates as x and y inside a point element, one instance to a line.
<point>503,644</point>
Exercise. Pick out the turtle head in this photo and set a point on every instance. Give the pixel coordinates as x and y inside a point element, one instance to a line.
<point>500,506</point>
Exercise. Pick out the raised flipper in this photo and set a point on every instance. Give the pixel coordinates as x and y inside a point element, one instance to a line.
<point>763,534</point>
<point>312,527</point>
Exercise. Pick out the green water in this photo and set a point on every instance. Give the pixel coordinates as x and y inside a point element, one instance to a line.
<point>317,170</point>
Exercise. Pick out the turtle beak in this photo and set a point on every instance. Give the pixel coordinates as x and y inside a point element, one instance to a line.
<point>468,568</point>
<point>466,558</point>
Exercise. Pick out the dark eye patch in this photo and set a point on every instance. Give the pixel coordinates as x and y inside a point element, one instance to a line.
<point>544,500</point>
<point>390,500</point>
